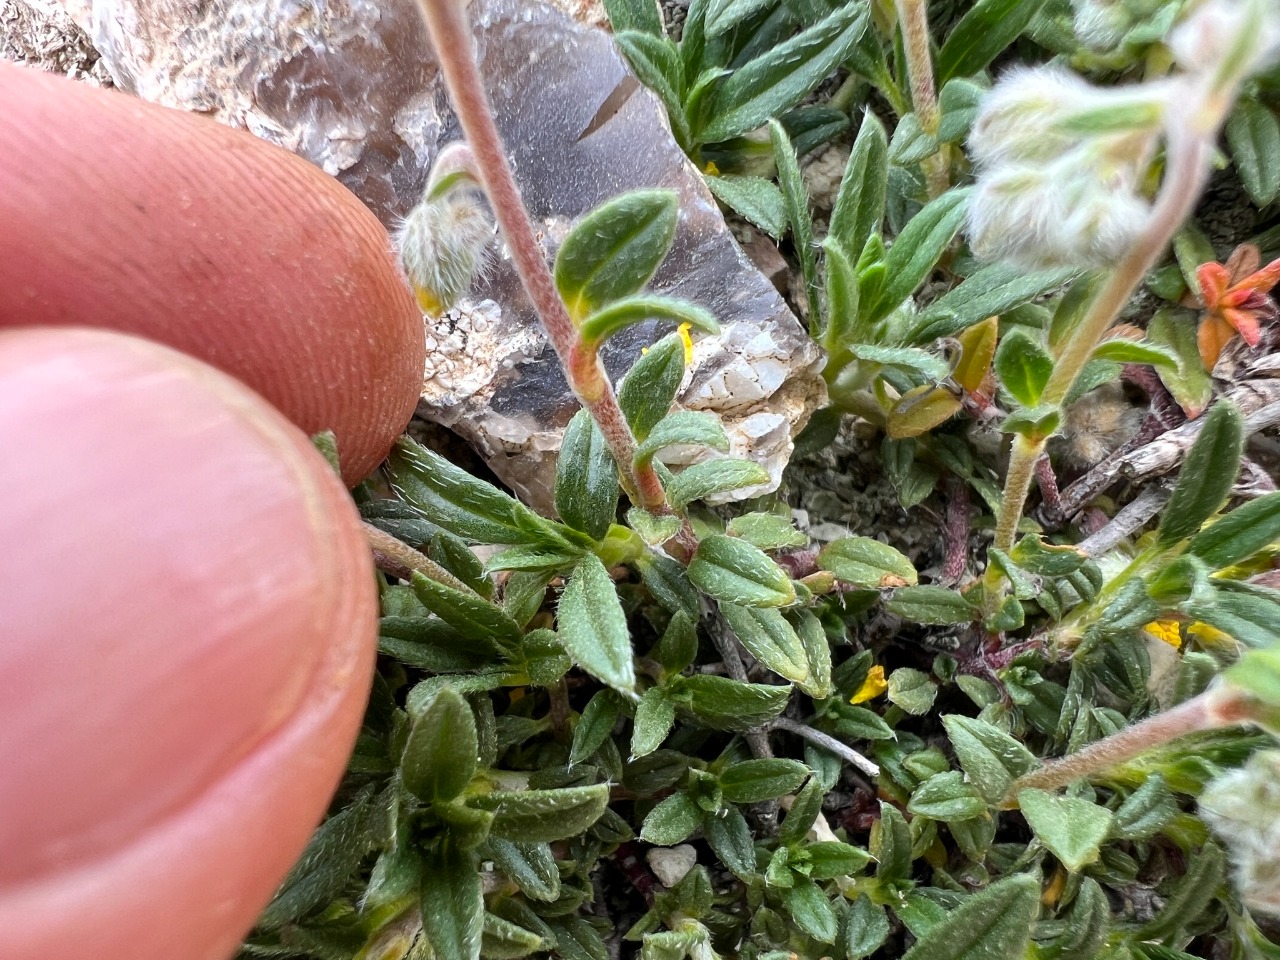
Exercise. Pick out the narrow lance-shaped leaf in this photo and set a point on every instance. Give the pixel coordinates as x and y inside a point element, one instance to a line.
<point>918,248</point>
<point>452,900</point>
<point>859,205</point>
<point>983,32</point>
<point>614,250</point>
<point>533,816</point>
<point>722,703</point>
<point>451,498</point>
<point>841,306</point>
<point>586,478</point>
<point>796,197</point>
<point>1207,475</point>
<point>593,626</point>
<point>470,614</point>
<point>1240,534</point>
<point>642,15</point>
<point>656,61</point>
<point>783,76</point>
<point>1253,132</point>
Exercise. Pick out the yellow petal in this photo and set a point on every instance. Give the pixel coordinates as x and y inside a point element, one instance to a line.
<point>711,169</point>
<point>687,340</point>
<point>1211,636</point>
<point>872,687</point>
<point>1166,630</point>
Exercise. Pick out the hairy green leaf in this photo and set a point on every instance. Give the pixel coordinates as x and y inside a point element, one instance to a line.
<point>1207,475</point>
<point>440,755</point>
<point>993,924</point>
<point>733,571</point>
<point>593,627</point>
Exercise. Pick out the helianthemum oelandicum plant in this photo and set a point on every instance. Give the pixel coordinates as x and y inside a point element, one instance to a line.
<point>1235,298</point>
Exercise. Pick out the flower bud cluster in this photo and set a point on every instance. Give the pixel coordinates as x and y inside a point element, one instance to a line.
<point>1060,167</point>
<point>1243,808</point>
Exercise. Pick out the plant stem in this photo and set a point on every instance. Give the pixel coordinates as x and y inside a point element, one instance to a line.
<point>914,19</point>
<point>827,742</point>
<point>1187,172</point>
<point>1217,707</point>
<point>451,38</point>
<point>401,560</point>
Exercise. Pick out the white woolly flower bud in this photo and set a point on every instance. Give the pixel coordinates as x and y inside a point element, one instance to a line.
<point>1018,115</point>
<point>1243,809</point>
<point>442,245</point>
<point>1227,39</point>
<point>1101,24</point>
<point>1056,215</point>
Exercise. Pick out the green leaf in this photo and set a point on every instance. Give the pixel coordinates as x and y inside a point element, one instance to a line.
<point>868,563</point>
<point>593,627</point>
<point>614,250</point>
<point>725,704</point>
<point>754,198</point>
<point>912,690</point>
<point>1071,829</point>
<point>829,859</point>
<point>1023,366</point>
<point>910,143</point>
<point>990,758</point>
<point>504,940</point>
<point>946,796</point>
<point>470,614</point>
<point>1207,475</point>
<point>655,713</point>
<point>752,781</point>
<point>803,814</point>
<point>730,839</point>
<point>736,572</point>
<point>796,197</point>
<point>989,27</point>
<point>668,581</point>
<point>655,60</point>
<point>541,816</point>
<point>653,530</point>
<point>595,725</point>
<point>1047,559</point>
<point>586,478</point>
<point>918,248</point>
<point>908,358</point>
<point>770,639</point>
<point>725,14</point>
<point>1240,534</point>
<point>649,388</point>
<point>932,605</point>
<point>960,102</point>
<point>1253,133</point>
<point>865,930</point>
<point>642,15</point>
<point>672,821</point>
<point>691,427</point>
<point>1190,385</point>
<point>440,755</point>
<point>334,852</point>
<point>989,291</point>
<point>891,846</point>
<point>678,646</point>
<point>1146,811</point>
<point>859,205</point>
<point>469,508</point>
<point>1087,927</point>
<point>817,654</point>
<point>531,866</point>
<point>811,910</point>
<point>452,900</point>
<point>767,531</point>
<point>1197,888</point>
<point>993,924</point>
<point>620,314</point>
<point>1129,351</point>
<point>782,76</point>
<point>841,306</point>
<point>712,477</point>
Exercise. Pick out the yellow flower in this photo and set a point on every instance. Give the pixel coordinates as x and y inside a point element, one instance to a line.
<point>1166,630</point>
<point>872,687</point>
<point>711,169</point>
<point>1211,636</point>
<point>687,340</point>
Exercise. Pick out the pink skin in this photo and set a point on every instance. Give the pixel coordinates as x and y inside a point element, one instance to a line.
<point>119,214</point>
<point>189,629</point>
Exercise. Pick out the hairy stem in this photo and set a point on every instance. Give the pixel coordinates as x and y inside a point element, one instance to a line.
<point>914,19</point>
<point>1218,707</point>
<point>401,560</point>
<point>451,37</point>
<point>1186,173</point>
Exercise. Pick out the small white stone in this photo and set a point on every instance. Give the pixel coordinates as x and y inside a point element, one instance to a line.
<point>670,864</point>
